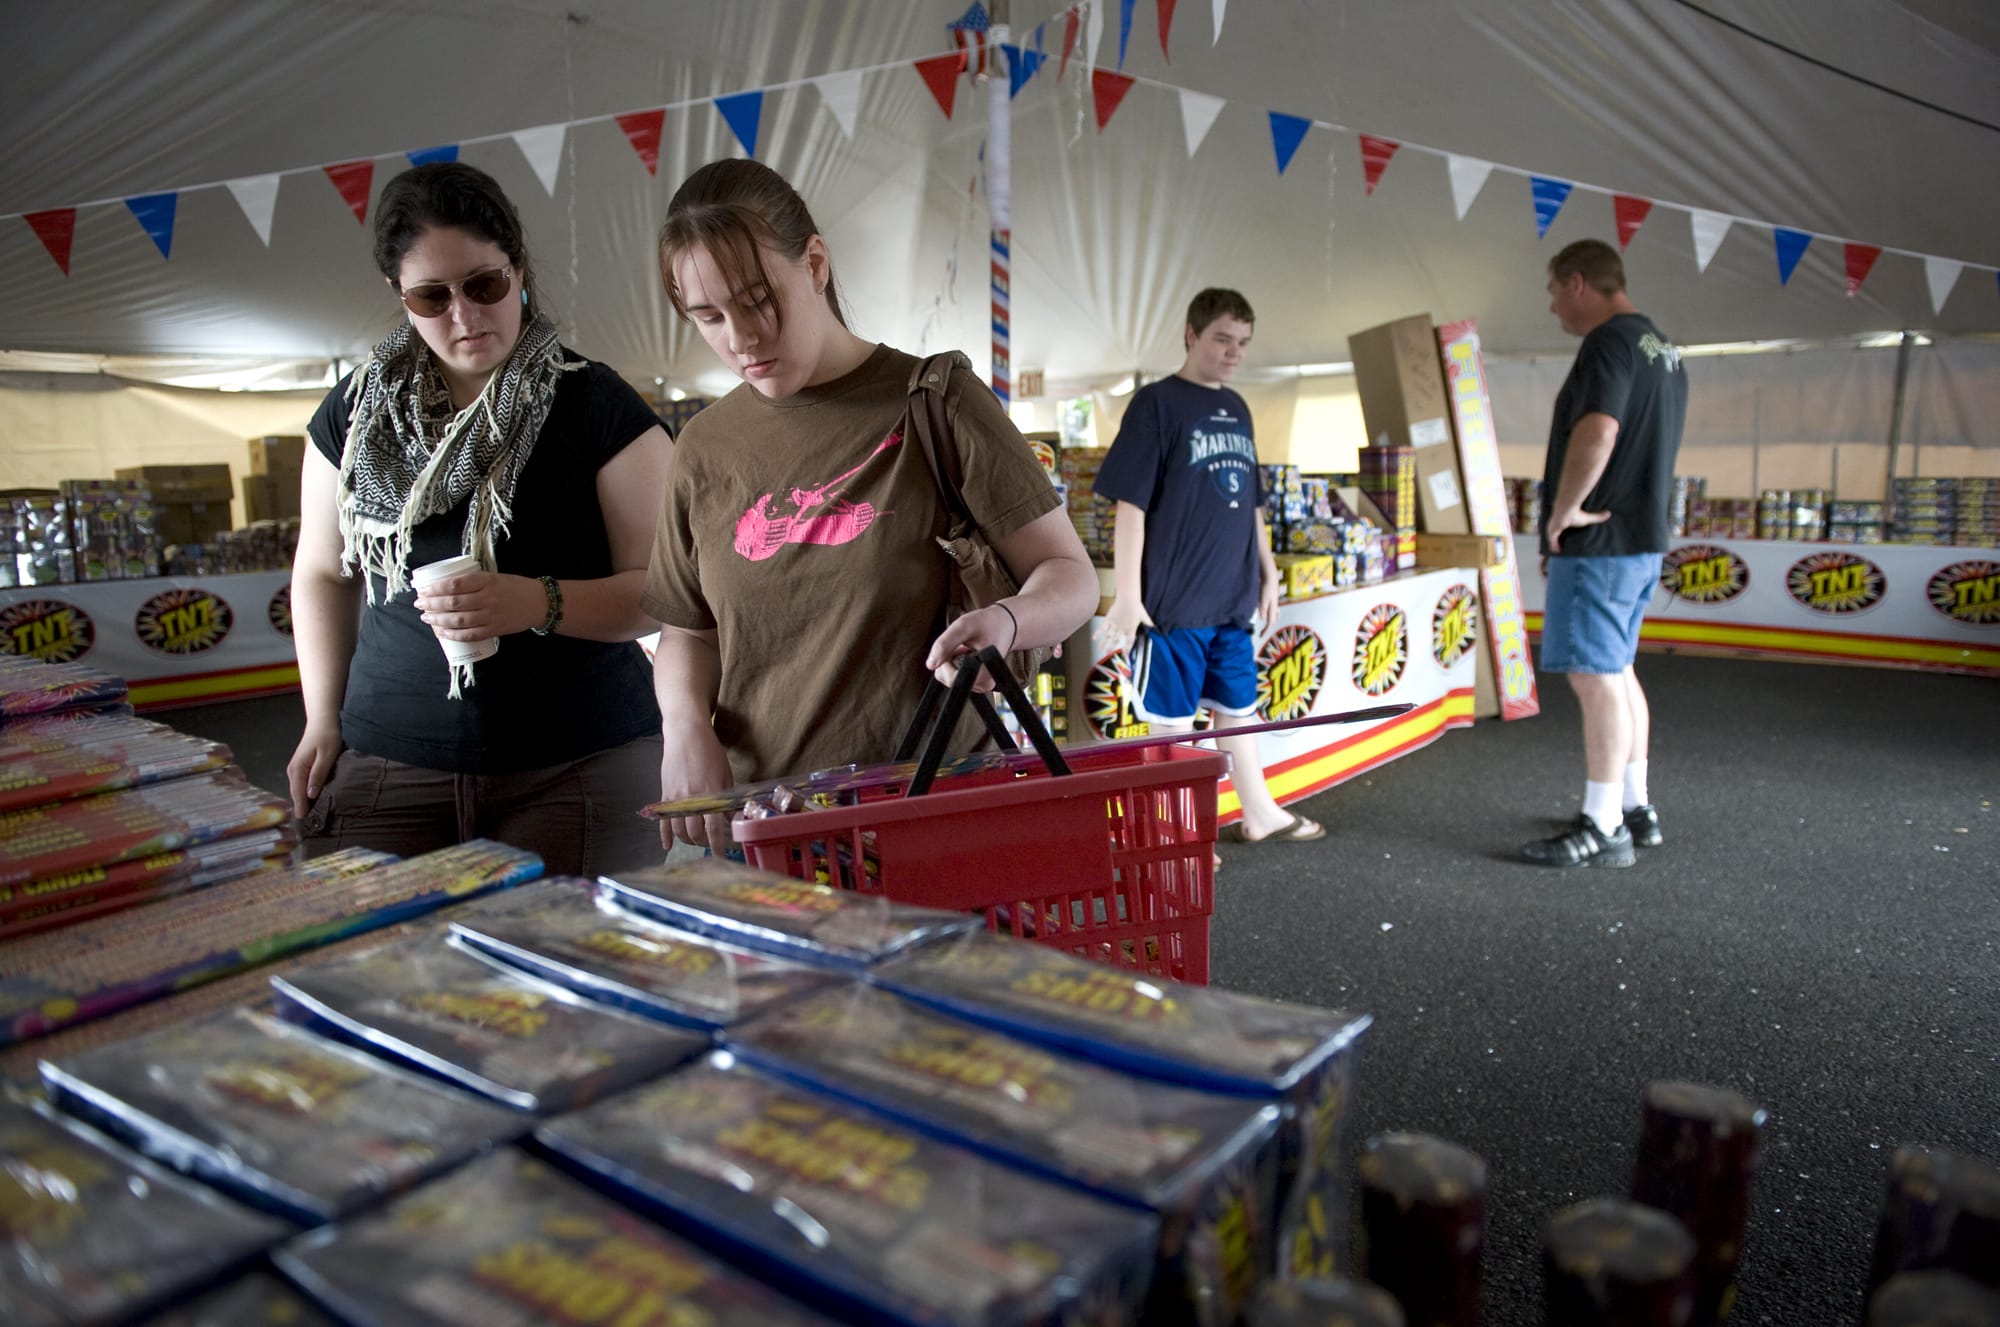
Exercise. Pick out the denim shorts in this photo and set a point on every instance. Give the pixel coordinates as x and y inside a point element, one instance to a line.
<point>1591,614</point>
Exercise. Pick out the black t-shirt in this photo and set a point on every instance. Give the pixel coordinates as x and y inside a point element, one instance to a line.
<point>542,700</point>
<point>1625,369</point>
<point>1186,456</point>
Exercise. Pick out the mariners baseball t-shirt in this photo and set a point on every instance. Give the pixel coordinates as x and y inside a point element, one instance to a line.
<point>1186,456</point>
<point>1625,369</point>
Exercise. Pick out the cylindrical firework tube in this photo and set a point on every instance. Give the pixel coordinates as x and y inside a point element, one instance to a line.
<point>1697,1152</point>
<point>1943,1213</point>
<point>1611,1263</point>
<point>1933,1299</point>
<point>1423,1225</point>
<point>1324,1304</point>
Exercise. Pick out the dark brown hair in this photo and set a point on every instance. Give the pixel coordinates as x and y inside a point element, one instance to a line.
<point>735,209</point>
<point>1595,261</point>
<point>450,194</point>
<point>1215,302</point>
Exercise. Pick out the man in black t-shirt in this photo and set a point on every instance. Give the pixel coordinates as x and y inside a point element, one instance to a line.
<point>1612,444</point>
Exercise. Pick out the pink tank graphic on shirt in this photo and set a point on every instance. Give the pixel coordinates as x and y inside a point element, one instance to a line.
<point>760,533</point>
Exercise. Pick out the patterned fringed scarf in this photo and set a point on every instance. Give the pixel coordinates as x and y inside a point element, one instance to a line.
<point>410,456</point>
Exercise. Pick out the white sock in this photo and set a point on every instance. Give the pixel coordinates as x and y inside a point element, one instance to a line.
<point>1600,803</point>
<point>1635,785</point>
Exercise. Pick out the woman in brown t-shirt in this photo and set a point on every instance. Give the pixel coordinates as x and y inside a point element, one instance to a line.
<point>795,572</point>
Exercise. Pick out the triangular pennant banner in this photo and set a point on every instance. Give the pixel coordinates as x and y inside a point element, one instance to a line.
<point>55,229</point>
<point>1220,6</point>
<point>1023,63</point>
<point>1468,177</point>
<point>940,74</point>
<point>842,95</point>
<point>1124,27</point>
<point>1093,32</point>
<point>1198,112</point>
<point>543,147</point>
<point>1166,8</point>
<point>424,156</point>
<point>1940,273</point>
<point>743,110</point>
<point>1631,214</point>
<point>1550,195</point>
<point>1375,154</point>
<point>1108,89</point>
<point>258,197</point>
<point>1860,259</point>
<point>1791,247</point>
<point>1071,21</point>
<point>156,215</point>
<point>1709,228</point>
<point>353,178</point>
<point>642,130</point>
<point>1287,132</point>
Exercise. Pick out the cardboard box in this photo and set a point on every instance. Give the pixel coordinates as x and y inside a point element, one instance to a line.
<point>278,454</point>
<point>1462,550</point>
<point>184,483</point>
<point>269,498</point>
<point>191,522</point>
<point>1304,574</point>
<point>1405,403</point>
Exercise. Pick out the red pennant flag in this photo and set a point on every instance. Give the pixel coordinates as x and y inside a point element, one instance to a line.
<point>642,130</point>
<point>1375,154</point>
<point>941,77</point>
<point>1860,261</point>
<point>1108,88</point>
<point>55,229</point>
<point>1631,213</point>
<point>1070,22</point>
<point>352,178</point>
<point>1166,21</point>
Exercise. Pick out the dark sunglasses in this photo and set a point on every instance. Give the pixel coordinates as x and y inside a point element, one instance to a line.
<point>433,299</point>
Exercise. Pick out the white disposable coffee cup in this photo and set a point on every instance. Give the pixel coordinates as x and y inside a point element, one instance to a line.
<point>459,653</point>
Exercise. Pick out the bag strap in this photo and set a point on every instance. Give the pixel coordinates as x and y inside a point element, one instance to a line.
<point>931,423</point>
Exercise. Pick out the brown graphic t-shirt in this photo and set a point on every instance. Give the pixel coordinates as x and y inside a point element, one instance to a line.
<point>803,532</point>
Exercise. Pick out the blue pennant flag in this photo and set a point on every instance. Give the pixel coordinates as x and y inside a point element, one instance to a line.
<point>1550,195</point>
<point>156,216</point>
<point>1287,132</point>
<point>973,20</point>
<point>1124,27</point>
<point>1022,65</point>
<point>1791,247</point>
<point>743,110</point>
<point>424,156</point>
<point>1038,39</point>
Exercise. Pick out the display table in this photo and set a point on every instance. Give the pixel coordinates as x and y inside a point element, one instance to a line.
<point>1890,605</point>
<point>1410,639</point>
<point>175,640</point>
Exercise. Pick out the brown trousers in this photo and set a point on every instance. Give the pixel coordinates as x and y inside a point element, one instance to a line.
<point>582,817</point>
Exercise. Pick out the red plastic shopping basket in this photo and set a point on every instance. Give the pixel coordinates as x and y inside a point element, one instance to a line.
<point>1113,861</point>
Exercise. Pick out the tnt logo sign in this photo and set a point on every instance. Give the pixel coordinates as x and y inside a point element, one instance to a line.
<point>1704,574</point>
<point>1968,592</point>
<point>46,629</point>
<point>1835,583</point>
<point>1291,668</point>
<point>279,611</point>
<point>1454,625</point>
<point>183,622</point>
<point>1108,696</point>
<point>1381,649</point>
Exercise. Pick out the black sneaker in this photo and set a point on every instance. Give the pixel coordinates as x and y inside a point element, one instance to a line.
<point>1644,822</point>
<point>1584,844</point>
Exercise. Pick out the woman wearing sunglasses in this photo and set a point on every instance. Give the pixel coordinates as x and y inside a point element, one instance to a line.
<point>796,574</point>
<point>471,431</point>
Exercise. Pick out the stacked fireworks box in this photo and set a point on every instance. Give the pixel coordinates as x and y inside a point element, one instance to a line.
<point>1687,488</point>
<point>1854,522</point>
<point>1722,518</point>
<point>1095,518</point>
<point>1978,515</point>
<point>1792,514</point>
<point>35,539</point>
<point>1524,505</point>
<point>1924,511</point>
<point>1389,478</point>
<point>112,529</point>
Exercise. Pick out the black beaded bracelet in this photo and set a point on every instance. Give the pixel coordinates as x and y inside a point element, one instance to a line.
<point>553,590</point>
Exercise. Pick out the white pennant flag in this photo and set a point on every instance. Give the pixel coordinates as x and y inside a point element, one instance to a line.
<point>1198,112</point>
<point>1468,177</point>
<point>1709,228</point>
<point>1942,273</point>
<point>1093,33</point>
<point>257,195</point>
<point>543,148</point>
<point>842,95</point>
<point>1220,5</point>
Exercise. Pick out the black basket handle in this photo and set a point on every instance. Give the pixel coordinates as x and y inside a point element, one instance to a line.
<point>939,711</point>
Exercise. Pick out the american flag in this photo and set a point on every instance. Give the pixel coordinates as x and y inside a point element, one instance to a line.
<point>969,32</point>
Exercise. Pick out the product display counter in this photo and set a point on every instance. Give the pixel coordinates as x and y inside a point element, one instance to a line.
<point>1889,605</point>
<point>1410,638</point>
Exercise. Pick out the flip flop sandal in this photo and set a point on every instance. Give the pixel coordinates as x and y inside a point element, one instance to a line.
<point>1297,830</point>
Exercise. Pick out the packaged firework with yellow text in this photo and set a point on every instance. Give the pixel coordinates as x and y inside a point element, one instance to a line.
<point>832,1201</point>
<point>30,687</point>
<point>273,1115</point>
<point>777,914</point>
<point>509,1242</point>
<point>1301,1057</point>
<point>427,1003</point>
<point>257,1299</point>
<point>96,1235</point>
<point>1205,1163</point>
<point>568,931</point>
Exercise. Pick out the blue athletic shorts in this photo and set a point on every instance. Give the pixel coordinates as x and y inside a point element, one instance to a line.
<point>1182,670</point>
<point>1590,619</point>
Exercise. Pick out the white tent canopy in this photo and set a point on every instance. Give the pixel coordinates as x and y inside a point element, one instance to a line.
<point>1868,120</point>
